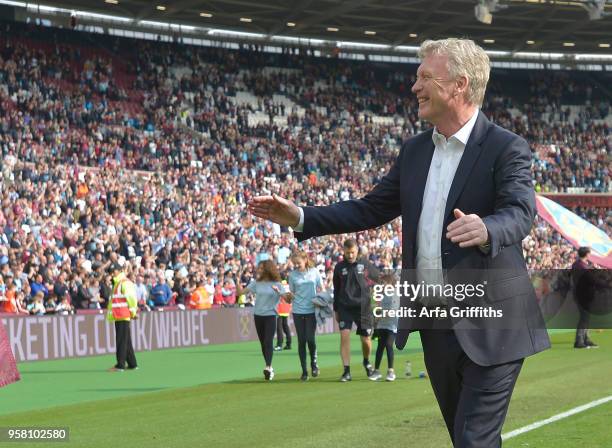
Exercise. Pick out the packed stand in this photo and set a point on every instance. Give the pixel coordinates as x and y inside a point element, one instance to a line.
<point>76,122</point>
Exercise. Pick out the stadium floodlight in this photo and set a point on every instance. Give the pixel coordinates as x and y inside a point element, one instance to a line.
<point>345,44</point>
<point>300,40</point>
<point>408,48</point>
<point>11,3</point>
<point>593,57</point>
<point>484,9</point>
<point>94,15</point>
<point>174,26</point>
<point>238,34</point>
<point>595,8</point>
<point>498,53</point>
<point>483,14</point>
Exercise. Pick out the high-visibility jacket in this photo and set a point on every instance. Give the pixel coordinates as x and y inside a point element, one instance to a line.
<point>123,304</point>
<point>283,308</point>
<point>199,299</point>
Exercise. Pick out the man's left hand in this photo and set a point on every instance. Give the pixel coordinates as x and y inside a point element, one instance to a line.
<point>467,230</point>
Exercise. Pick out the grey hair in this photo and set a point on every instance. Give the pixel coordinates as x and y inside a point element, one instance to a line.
<point>465,58</point>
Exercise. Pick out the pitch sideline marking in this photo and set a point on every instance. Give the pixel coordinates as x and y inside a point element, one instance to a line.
<point>555,418</point>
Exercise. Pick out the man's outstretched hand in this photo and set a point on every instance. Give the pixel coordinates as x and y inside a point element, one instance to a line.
<point>275,209</point>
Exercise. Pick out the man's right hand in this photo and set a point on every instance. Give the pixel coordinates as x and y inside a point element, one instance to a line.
<point>275,209</point>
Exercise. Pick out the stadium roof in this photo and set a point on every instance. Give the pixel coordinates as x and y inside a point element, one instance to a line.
<point>517,25</point>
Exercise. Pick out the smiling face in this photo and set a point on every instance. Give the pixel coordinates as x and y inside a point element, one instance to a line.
<point>300,263</point>
<point>436,92</point>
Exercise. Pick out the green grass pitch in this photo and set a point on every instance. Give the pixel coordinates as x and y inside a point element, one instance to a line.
<point>215,396</point>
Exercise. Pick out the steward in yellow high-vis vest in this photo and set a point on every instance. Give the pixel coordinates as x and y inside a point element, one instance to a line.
<point>123,307</point>
<point>282,322</point>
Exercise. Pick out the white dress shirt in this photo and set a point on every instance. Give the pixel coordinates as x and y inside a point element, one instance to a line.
<point>300,226</point>
<point>444,163</point>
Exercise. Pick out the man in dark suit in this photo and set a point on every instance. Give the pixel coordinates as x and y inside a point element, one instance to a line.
<point>465,195</point>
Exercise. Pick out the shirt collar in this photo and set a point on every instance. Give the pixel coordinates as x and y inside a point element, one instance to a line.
<point>462,135</point>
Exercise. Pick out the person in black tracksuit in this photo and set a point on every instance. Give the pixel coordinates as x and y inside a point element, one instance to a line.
<point>353,278</point>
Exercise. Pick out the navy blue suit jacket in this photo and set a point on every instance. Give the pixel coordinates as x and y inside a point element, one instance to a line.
<point>493,180</point>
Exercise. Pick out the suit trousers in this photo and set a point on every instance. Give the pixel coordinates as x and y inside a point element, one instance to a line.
<point>125,350</point>
<point>473,399</point>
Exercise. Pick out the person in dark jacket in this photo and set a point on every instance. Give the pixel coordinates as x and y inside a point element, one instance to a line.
<point>581,285</point>
<point>353,277</point>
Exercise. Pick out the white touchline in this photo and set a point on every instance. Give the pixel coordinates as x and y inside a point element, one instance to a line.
<point>555,418</point>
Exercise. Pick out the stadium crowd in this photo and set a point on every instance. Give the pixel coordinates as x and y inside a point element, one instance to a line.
<point>148,166</point>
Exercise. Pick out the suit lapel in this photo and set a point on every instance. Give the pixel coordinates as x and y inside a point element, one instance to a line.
<point>470,155</point>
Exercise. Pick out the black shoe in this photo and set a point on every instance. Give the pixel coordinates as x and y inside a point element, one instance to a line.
<point>304,377</point>
<point>315,371</point>
<point>267,374</point>
<point>591,344</point>
<point>580,346</point>
<point>369,369</point>
<point>287,347</point>
<point>133,368</point>
<point>345,377</point>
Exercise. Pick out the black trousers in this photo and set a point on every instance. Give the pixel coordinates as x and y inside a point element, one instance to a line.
<point>386,339</point>
<point>305,327</point>
<point>282,326</point>
<point>582,329</point>
<point>125,350</point>
<point>266,327</point>
<point>473,399</point>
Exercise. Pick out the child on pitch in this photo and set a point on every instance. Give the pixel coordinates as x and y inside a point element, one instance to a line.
<point>305,283</point>
<point>267,290</point>
<point>386,329</point>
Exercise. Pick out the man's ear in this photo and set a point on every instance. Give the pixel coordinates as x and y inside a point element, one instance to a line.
<point>462,83</point>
